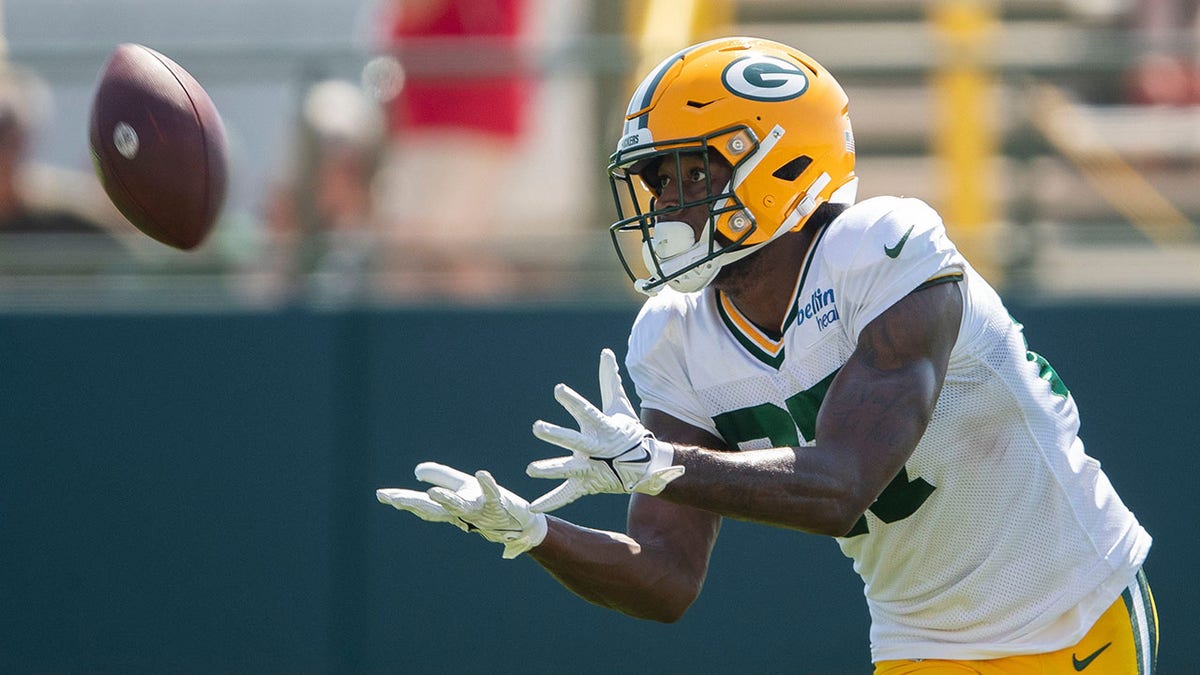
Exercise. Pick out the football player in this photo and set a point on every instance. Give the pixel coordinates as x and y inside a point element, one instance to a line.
<point>810,362</point>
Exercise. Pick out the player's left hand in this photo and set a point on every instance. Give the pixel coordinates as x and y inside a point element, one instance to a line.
<point>612,452</point>
<point>472,504</point>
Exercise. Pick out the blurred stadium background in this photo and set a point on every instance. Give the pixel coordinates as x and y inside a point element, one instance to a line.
<point>189,442</point>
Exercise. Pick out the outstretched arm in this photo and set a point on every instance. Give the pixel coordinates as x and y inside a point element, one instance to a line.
<point>873,415</point>
<point>655,570</point>
<point>869,423</point>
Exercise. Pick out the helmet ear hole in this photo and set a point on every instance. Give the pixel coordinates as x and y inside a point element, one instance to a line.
<point>792,170</point>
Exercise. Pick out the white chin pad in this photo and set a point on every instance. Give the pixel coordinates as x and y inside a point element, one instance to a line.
<point>674,242</point>
<point>675,245</point>
<point>671,238</point>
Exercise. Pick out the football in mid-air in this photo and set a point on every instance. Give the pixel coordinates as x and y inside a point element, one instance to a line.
<point>159,146</point>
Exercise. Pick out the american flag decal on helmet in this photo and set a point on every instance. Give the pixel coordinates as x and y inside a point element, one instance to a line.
<point>849,140</point>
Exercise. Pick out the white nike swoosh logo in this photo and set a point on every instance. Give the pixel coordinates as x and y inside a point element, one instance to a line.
<point>640,460</point>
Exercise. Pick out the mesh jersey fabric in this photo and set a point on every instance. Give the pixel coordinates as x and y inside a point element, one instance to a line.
<point>1020,544</point>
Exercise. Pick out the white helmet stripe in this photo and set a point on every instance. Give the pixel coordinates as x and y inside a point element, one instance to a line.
<point>645,92</point>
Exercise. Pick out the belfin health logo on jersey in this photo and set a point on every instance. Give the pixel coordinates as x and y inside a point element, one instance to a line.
<point>765,78</point>
<point>821,306</point>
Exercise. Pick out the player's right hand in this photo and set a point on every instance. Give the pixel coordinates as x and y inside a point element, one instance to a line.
<point>472,504</point>
<point>611,452</point>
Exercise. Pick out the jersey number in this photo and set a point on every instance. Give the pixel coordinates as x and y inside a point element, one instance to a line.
<point>1045,370</point>
<point>784,428</point>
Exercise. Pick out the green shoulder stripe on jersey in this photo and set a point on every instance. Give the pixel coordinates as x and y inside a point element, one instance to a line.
<point>945,279</point>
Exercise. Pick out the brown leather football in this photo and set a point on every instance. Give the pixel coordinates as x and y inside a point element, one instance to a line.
<point>159,146</point>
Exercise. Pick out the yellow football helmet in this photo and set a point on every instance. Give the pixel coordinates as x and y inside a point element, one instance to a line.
<point>773,113</point>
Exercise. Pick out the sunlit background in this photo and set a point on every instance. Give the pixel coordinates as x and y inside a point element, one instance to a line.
<point>1059,138</point>
<point>414,251</point>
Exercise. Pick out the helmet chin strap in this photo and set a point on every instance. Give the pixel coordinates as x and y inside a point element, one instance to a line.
<point>674,243</point>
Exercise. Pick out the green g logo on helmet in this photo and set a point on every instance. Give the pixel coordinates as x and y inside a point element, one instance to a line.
<point>765,78</point>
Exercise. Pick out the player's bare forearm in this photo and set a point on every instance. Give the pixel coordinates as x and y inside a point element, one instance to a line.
<point>609,569</point>
<point>648,574</point>
<point>872,417</point>
<point>785,487</point>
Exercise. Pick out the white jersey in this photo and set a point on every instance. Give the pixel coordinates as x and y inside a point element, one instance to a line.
<point>999,536</point>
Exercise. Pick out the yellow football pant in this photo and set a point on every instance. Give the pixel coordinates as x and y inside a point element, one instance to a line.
<point>1123,641</point>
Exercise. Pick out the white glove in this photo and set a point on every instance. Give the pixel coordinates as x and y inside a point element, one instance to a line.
<point>611,453</point>
<point>472,504</point>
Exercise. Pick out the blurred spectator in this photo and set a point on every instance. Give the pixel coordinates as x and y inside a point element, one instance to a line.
<point>1169,73</point>
<point>455,125</point>
<point>321,214</point>
<point>462,65</point>
<point>53,220</point>
<point>26,205</point>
